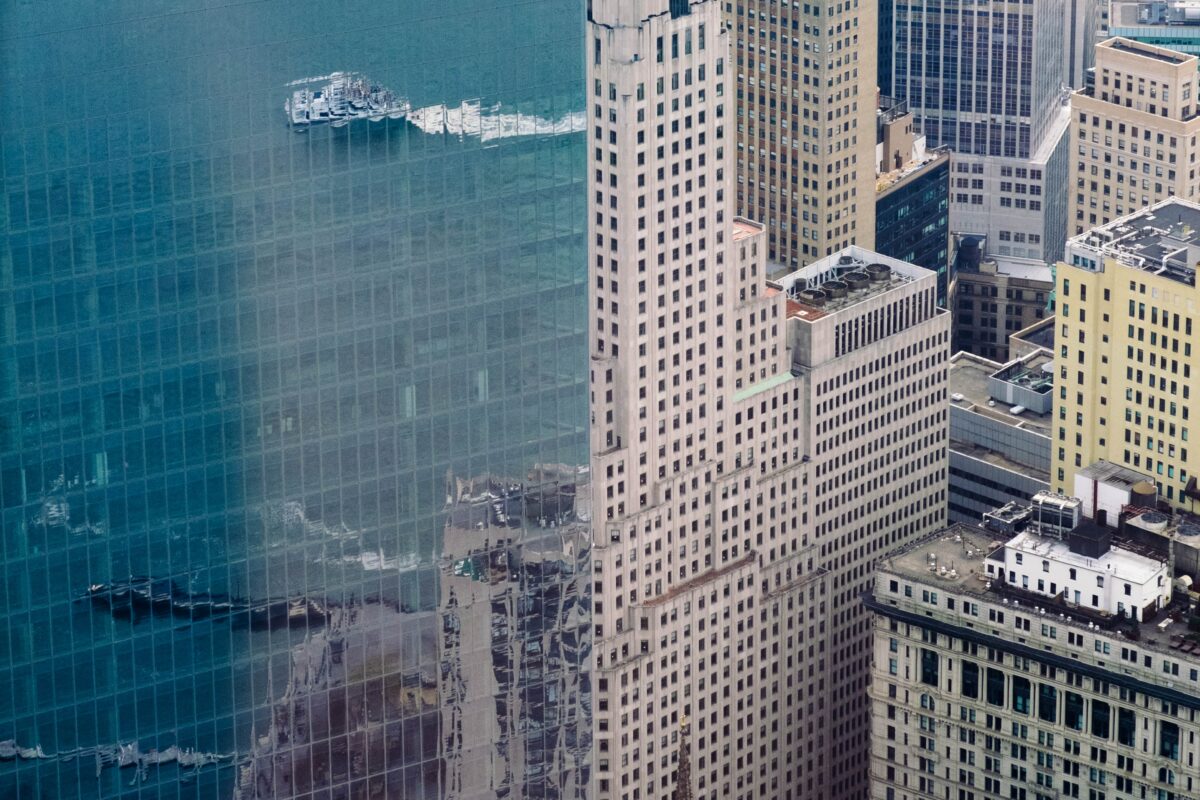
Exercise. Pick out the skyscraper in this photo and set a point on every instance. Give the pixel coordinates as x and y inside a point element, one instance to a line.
<point>290,421</point>
<point>729,413</point>
<point>1128,337</point>
<point>990,87</point>
<point>1136,126</point>
<point>806,124</point>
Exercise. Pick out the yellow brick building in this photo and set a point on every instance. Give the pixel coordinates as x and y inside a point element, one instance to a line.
<point>1128,363</point>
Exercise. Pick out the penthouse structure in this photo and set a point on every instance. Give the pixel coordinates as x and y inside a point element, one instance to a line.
<point>728,416</point>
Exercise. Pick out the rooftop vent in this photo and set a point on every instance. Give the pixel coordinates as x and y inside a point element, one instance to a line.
<point>835,288</point>
<point>812,297</point>
<point>857,280</point>
<point>879,272</point>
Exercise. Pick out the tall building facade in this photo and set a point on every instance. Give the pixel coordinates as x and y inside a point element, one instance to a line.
<point>806,124</point>
<point>1018,671</point>
<point>727,414</point>
<point>1081,31</point>
<point>1135,131</point>
<point>1128,334</point>
<point>289,420</point>
<point>912,196</point>
<point>990,87</point>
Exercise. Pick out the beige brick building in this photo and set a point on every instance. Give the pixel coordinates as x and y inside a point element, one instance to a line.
<point>1007,666</point>
<point>806,123</point>
<point>755,445</point>
<point>1133,132</point>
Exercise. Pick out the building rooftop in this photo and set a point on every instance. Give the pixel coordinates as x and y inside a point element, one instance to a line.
<point>1034,372</point>
<point>1163,239</point>
<point>1115,475</point>
<point>1123,563</point>
<point>842,280</point>
<point>1138,13</point>
<point>1148,50</point>
<point>969,380</point>
<point>1039,334</point>
<point>954,559</point>
<point>922,158</point>
<point>743,227</point>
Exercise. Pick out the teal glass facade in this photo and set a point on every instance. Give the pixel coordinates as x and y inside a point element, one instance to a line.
<point>290,421</point>
<point>912,222</point>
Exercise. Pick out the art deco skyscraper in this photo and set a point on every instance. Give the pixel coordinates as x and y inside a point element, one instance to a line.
<point>755,444</point>
<point>806,123</point>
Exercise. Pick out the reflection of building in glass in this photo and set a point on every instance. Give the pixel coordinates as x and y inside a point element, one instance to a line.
<point>516,641</point>
<point>485,697</point>
<point>236,363</point>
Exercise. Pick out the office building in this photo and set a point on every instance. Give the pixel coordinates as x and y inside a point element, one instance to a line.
<point>912,203</point>
<point>728,413</point>
<point>805,124</point>
<point>243,373</point>
<point>1172,24</point>
<point>1000,427</point>
<point>1127,328</point>
<point>996,101</point>
<point>1053,664</point>
<point>1135,131</point>
<point>996,296</point>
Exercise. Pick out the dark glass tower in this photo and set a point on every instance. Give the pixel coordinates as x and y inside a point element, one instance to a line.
<point>290,420</point>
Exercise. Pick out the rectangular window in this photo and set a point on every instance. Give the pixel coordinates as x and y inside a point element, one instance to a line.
<point>1100,719</point>
<point>1073,711</point>
<point>1168,740</point>
<point>929,666</point>
<point>1020,694</point>
<point>970,680</point>
<point>995,687</point>
<point>1126,727</point>
<point>1047,702</point>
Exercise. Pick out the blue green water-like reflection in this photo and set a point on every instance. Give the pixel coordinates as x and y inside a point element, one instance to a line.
<point>245,360</point>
